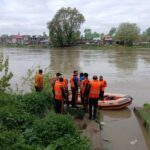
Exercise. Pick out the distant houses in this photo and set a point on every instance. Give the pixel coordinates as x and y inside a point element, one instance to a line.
<point>44,41</point>
<point>24,40</point>
<point>103,40</point>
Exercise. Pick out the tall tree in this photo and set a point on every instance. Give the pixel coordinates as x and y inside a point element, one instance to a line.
<point>64,29</point>
<point>128,33</point>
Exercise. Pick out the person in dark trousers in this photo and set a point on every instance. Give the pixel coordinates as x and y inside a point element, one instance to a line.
<point>84,91</point>
<point>74,81</point>
<point>59,95</point>
<point>103,86</point>
<point>53,80</point>
<point>39,81</point>
<point>93,97</point>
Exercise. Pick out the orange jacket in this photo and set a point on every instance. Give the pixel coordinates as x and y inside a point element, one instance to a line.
<point>39,80</point>
<point>83,85</point>
<point>58,91</point>
<point>95,86</point>
<point>73,83</point>
<point>103,84</point>
<point>65,84</point>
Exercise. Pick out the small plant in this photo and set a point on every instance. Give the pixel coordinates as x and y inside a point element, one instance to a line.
<point>5,75</point>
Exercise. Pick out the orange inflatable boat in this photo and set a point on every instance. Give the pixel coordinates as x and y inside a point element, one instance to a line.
<point>111,101</point>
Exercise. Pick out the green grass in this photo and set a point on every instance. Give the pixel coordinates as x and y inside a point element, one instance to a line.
<point>145,115</point>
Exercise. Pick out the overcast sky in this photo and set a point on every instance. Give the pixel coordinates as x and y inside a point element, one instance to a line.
<point>31,16</point>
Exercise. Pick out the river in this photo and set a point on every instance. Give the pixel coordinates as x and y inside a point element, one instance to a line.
<point>126,71</point>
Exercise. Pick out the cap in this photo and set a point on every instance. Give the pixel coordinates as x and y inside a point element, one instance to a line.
<point>58,74</point>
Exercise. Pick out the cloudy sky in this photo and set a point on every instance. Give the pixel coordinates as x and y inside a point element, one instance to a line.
<point>31,16</point>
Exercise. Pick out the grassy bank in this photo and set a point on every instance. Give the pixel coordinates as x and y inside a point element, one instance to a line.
<point>84,47</point>
<point>28,122</point>
<point>144,114</point>
<point>108,47</point>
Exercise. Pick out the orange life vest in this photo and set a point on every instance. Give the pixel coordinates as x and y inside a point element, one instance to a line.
<point>103,84</point>
<point>65,84</point>
<point>39,80</point>
<point>72,82</point>
<point>58,90</point>
<point>94,89</point>
<point>83,85</point>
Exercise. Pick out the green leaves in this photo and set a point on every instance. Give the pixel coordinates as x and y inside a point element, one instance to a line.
<point>64,27</point>
<point>128,33</point>
<point>5,75</point>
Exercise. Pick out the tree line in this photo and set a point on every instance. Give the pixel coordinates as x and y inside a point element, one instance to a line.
<point>64,30</point>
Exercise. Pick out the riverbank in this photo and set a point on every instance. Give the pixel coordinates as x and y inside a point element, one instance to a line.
<point>108,47</point>
<point>144,115</point>
<point>83,47</point>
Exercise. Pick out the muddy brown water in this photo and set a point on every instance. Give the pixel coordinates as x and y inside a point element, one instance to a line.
<point>126,71</point>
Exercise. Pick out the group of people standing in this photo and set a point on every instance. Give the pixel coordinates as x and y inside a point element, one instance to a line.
<point>81,87</point>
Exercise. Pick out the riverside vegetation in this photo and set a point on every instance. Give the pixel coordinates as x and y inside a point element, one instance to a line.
<point>28,121</point>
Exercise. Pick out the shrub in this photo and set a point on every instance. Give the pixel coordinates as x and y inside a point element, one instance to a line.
<point>12,116</point>
<point>49,129</point>
<point>36,103</point>
<point>12,140</point>
<point>68,142</point>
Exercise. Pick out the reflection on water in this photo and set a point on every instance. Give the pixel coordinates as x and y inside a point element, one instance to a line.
<point>125,113</point>
<point>126,71</point>
<point>64,60</point>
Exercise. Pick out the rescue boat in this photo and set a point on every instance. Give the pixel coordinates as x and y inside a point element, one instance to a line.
<point>111,101</point>
<point>115,101</point>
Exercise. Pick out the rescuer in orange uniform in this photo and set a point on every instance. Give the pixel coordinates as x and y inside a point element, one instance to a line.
<point>39,81</point>
<point>103,86</point>
<point>59,95</point>
<point>84,92</point>
<point>94,92</point>
<point>74,81</point>
<point>53,80</point>
<point>65,85</point>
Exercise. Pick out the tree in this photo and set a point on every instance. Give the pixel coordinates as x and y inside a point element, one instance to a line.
<point>112,31</point>
<point>148,32</point>
<point>89,35</point>
<point>146,35</point>
<point>64,27</point>
<point>5,75</point>
<point>128,33</point>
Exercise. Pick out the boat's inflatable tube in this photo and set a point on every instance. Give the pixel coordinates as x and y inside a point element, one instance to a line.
<point>111,101</point>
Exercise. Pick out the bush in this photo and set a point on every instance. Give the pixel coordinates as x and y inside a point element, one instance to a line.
<point>36,103</point>
<point>70,142</point>
<point>12,140</point>
<point>12,116</point>
<point>49,129</point>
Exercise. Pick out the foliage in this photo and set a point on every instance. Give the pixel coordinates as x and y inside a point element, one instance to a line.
<point>89,35</point>
<point>36,103</point>
<point>49,129</point>
<point>146,35</point>
<point>12,115</point>
<point>66,142</point>
<point>5,75</point>
<point>112,31</point>
<point>64,27</point>
<point>127,33</point>
<point>12,140</point>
